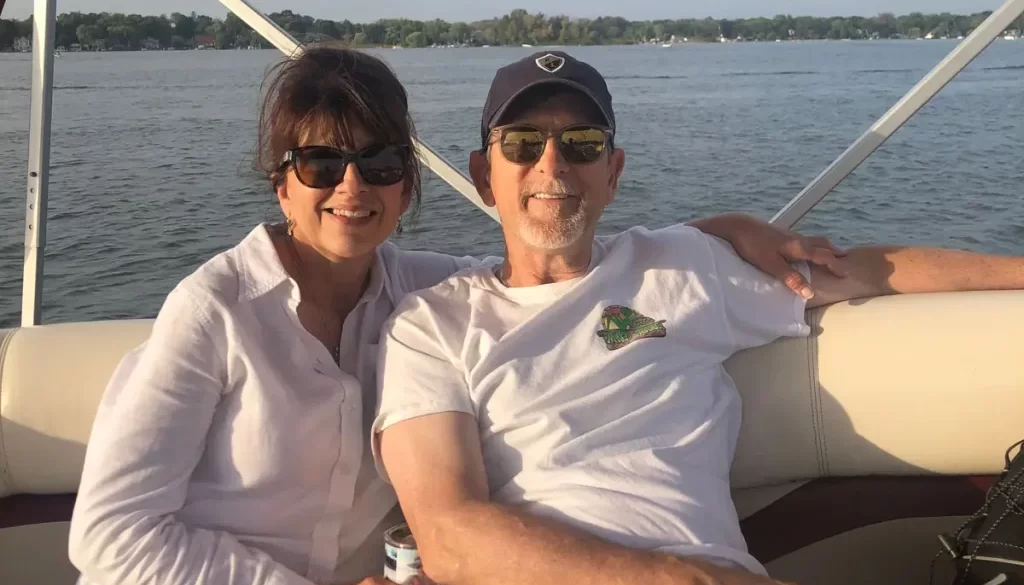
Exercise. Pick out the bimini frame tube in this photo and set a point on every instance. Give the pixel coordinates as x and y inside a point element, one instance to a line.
<point>898,115</point>
<point>41,113</point>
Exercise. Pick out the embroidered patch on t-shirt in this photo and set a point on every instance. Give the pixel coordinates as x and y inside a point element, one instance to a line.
<point>623,326</point>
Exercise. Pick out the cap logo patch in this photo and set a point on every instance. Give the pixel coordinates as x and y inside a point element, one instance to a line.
<point>551,63</point>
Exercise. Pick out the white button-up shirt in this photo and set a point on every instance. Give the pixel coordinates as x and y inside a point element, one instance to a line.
<point>230,449</point>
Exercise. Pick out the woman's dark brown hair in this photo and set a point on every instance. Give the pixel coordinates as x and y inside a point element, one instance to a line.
<point>323,92</point>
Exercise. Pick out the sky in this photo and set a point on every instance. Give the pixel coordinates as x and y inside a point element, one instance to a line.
<point>469,10</point>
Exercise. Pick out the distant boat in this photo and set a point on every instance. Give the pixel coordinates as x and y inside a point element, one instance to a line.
<point>666,45</point>
<point>527,45</point>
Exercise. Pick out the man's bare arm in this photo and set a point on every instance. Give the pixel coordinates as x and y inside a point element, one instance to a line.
<point>773,249</point>
<point>436,466</point>
<point>884,270</point>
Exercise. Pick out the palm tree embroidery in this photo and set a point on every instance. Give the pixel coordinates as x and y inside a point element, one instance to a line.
<point>622,326</point>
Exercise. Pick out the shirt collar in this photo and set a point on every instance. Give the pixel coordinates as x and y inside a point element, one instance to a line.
<point>261,270</point>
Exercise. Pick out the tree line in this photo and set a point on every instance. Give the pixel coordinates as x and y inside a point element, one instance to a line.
<point>109,31</point>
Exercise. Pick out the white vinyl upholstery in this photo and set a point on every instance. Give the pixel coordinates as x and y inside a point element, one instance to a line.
<point>898,385</point>
<point>907,385</point>
<point>51,381</point>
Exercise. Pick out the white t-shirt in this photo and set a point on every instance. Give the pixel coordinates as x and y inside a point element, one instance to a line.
<point>602,401</point>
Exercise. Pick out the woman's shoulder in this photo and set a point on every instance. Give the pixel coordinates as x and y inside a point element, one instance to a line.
<point>242,272</point>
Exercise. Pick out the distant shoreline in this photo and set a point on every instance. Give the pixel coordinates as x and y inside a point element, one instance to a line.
<point>120,32</point>
<point>539,47</point>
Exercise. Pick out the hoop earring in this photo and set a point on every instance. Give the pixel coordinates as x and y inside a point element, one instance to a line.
<point>291,227</point>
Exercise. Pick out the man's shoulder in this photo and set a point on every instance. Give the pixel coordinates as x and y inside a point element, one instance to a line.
<point>415,270</point>
<point>675,247</point>
<point>450,298</point>
<point>672,235</point>
<point>454,289</point>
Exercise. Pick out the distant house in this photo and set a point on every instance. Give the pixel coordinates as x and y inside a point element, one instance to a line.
<point>150,44</point>
<point>205,42</point>
<point>23,45</point>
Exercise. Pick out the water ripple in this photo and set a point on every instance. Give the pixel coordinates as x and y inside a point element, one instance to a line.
<point>152,154</point>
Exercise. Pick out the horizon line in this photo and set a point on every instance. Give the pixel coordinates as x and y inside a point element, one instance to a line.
<point>546,15</point>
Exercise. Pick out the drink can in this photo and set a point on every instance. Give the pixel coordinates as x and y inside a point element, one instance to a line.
<point>402,560</point>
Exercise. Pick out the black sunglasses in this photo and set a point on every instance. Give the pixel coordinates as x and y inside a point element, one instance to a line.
<point>580,144</point>
<point>323,167</point>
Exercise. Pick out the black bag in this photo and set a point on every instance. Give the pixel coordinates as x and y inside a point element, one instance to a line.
<point>989,548</point>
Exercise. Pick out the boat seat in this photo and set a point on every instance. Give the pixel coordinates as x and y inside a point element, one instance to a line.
<point>859,444</point>
<point>51,380</point>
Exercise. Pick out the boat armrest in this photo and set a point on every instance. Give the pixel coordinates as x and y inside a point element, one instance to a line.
<point>901,385</point>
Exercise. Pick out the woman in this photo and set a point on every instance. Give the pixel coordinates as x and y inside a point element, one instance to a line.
<point>231,447</point>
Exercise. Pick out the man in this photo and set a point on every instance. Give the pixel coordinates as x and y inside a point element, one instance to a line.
<point>566,415</point>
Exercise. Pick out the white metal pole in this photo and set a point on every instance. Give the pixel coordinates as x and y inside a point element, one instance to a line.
<point>41,113</point>
<point>291,47</point>
<point>267,28</point>
<point>898,115</point>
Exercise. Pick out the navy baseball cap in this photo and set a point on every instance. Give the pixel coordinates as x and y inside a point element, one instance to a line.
<point>557,67</point>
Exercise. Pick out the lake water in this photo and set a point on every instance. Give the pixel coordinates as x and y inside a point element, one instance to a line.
<point>152,153</point>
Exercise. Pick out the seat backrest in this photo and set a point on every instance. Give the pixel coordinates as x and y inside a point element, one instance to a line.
<point>884,428</point>
<point>926,386</point>
<point>51,380</point>
<point>900,385</point>
<point>909,385</point>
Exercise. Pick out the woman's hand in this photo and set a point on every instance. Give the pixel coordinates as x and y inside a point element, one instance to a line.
<point>773,249</point>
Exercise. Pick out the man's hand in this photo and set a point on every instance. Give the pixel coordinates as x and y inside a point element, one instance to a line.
<point>773,249</point>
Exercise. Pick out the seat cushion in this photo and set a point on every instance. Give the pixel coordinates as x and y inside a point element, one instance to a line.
<point>896,552</point>
<point>51,381</point>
